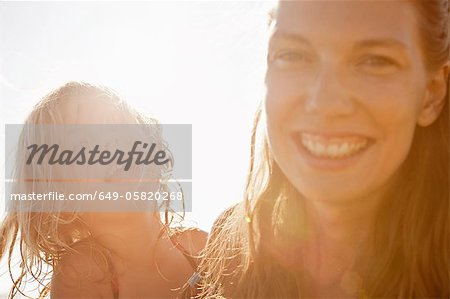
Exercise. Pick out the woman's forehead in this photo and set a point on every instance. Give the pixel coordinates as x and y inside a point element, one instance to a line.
<point>352,20</point>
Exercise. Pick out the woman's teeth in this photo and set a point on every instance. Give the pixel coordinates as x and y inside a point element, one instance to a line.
<point>335,149</point>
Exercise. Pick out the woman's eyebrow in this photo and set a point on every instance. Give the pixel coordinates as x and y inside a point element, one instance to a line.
<point>359,45</point>
<point>289,36</point>
<point>370,43</point>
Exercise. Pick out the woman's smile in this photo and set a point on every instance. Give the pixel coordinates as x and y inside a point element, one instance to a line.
<point>332,145</point>
<point>335,151</point>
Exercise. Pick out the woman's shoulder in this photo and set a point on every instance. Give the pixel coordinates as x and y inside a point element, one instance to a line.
<point>221,260</point>
<point>231,214</point>
<point>226,240</point>
<point>195,240</point>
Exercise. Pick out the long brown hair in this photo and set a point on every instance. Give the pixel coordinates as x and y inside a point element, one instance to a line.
<point>408,253</point>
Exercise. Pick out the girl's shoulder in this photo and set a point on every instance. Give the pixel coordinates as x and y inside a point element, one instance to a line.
<point>189,244</point>
<point>189,240</point>
<point>182,254</point>
<point>83,271</point>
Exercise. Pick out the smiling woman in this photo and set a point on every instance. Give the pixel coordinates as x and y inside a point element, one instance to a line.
<point>349,195</point>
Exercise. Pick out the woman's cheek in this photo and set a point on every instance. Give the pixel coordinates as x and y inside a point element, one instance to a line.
<point>283,95</point>
<point>276,118</point>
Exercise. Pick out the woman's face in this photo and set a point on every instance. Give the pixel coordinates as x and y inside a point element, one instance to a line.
<point>345,83</point>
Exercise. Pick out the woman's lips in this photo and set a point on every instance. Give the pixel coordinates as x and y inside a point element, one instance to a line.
<point>331,151</point>
<point>333,147</point>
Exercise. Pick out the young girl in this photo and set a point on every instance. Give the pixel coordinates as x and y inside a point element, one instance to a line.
<point>94,254</point>
<point>348,196</point>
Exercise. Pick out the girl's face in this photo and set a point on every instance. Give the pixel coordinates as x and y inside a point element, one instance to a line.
<point>345,84</point>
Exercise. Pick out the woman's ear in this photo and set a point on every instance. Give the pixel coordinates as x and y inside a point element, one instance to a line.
<point>435,97</point>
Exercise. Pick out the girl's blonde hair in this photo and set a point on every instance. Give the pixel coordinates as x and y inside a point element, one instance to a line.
<point>252,244</point>
<point>42,238</point>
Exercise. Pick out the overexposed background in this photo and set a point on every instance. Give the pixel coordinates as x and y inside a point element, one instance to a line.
<point>198,63</point>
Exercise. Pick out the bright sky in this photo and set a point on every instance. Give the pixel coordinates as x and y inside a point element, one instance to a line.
<point>199,63</point>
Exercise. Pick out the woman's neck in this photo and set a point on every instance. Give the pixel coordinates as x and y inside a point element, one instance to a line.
<point>339,236</point>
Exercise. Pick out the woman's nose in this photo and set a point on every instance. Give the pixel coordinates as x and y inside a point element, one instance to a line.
<point>329,95</point>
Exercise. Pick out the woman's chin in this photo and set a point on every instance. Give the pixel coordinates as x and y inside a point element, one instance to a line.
<point>332,196</point>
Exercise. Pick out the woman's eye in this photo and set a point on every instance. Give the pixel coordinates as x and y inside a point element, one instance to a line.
<point>379,61</point>
<point>289,59</point>
<point>379,64</point>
